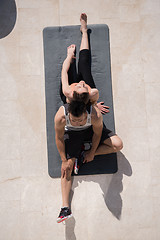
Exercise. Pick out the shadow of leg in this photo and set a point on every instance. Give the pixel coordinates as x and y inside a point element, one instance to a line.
<point>112,197</point>
<point>111,185</point>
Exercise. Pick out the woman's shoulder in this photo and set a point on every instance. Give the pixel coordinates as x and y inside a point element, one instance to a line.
<point>94,95</point>
<point>94,91</point>
<point>60,116</point>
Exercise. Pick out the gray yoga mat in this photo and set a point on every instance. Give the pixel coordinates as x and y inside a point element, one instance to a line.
<point>56,41</point>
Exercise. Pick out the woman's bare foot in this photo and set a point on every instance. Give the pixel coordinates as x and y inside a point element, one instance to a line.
<point>83,20</point>
<point>71,50</point>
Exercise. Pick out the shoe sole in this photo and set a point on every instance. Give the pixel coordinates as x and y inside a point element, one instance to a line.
<point>59,220</point>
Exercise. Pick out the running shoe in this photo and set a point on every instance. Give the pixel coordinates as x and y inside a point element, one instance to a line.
<point>65,214</point>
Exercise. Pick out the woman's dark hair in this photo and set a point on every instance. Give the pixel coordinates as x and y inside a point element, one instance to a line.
<point>76,108</point>
<point>82,97</point>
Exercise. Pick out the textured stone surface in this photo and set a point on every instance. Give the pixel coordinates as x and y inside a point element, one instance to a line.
<point>118,207</point>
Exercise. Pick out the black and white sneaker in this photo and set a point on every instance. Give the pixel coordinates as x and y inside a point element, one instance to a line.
<point>65,214</point>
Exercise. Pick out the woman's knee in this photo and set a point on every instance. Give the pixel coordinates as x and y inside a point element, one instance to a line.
<point>84,56</point>
<point>117,144</point>
<point>70,169</point>
<point>66,174</point>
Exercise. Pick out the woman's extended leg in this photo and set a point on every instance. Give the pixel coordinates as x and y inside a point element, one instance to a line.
<point>66,182</point>
<point>84,40</point>
<point>84,64</point>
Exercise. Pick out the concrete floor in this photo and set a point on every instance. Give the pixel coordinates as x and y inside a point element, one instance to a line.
<point>123,206</point>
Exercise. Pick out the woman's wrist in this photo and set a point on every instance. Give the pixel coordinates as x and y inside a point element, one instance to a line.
<point>69,57</point>
<point>66,63</point>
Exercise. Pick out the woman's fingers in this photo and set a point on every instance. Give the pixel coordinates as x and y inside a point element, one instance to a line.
<point>101,103</point>
<point>105,107</point>
<point>104,110</point>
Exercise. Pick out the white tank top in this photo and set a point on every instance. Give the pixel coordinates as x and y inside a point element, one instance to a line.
<point>70,127</point>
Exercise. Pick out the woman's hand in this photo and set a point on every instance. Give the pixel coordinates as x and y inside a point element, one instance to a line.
<point>88,156</point>
<point>104,109</point>
<point>66,168</point>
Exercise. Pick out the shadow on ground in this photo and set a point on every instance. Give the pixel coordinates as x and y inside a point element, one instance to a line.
<point>8,15</point>
<point>69,230</point>
<point>111,186</point>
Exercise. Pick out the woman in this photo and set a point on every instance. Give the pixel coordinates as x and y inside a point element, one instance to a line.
<point>80,87</point>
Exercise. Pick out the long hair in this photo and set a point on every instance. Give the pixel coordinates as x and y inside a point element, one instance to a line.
<point>82,97</point>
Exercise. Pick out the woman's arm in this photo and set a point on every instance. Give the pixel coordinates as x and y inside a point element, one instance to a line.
<point>97,124</point>
<point>65,68</point>
<point>59,125</point>
<point>64,76</point>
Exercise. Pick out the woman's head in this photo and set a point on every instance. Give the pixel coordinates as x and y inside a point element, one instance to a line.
<point>81,87</point>
<point>81,97</point>
<point>77,108</point>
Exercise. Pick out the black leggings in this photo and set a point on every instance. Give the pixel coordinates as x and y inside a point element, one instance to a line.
<point>84,71</point>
